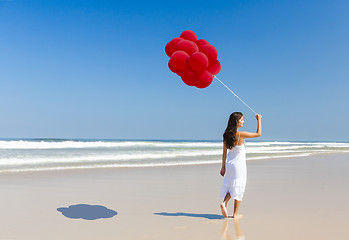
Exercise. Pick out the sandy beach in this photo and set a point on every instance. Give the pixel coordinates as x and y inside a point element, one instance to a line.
<point>290,198</point>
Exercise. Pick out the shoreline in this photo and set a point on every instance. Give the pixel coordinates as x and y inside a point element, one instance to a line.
<point>278,158</point>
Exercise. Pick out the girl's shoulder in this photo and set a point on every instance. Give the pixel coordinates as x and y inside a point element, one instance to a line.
<point>243,134</point>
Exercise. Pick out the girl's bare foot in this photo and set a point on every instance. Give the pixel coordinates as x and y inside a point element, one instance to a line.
<point>224,210</point>
<point>237,216</point>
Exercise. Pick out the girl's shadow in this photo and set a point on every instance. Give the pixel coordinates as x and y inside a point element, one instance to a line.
<point>87,212</point>
<point>197,215</point>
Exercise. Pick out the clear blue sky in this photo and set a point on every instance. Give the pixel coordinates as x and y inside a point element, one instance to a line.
<point>98,69</point>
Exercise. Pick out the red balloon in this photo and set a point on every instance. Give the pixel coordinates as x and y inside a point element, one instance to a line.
<point>187,46</point>
<point>189,35</point>
<point>203,80</point>
<point>178,60</point>
<point>175,70</point>
<point>188,78</point>
<point>211,52</point>
<point>198,62</point>
<point>167,49</point>
<point>201,43</point>
<point>171,46</point>
<point>214,68</point>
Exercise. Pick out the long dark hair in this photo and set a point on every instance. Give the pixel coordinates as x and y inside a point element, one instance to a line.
<point>229,136</point>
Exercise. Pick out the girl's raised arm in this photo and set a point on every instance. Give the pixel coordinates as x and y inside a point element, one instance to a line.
<point>258,133</point>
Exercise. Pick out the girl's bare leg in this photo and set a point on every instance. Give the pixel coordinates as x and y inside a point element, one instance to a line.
<point>236,208</point>
<point>224,205</point>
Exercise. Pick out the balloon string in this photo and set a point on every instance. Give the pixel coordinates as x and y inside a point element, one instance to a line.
<point>235,94</point>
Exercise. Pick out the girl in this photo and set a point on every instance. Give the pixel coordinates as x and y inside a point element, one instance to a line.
<point>234,169</point>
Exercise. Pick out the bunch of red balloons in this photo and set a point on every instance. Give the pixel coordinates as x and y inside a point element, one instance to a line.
<point>195,61</point>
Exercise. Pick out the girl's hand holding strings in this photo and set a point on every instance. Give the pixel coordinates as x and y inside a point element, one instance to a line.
<point>258,116</point>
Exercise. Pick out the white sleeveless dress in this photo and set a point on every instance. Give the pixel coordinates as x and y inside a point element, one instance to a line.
<point>235,177</point>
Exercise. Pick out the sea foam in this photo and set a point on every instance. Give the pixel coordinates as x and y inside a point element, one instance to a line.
<point>56,154</point>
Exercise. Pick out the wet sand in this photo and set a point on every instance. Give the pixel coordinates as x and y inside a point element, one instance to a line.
<point>293,198</point>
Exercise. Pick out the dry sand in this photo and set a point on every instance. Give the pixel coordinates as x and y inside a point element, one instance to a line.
<point>293,198</point>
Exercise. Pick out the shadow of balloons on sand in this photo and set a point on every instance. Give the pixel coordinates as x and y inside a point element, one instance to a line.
<point>196,215</point>
<point>87,212</point>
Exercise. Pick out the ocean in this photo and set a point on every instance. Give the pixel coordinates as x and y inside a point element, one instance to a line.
<point>58,154</point>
